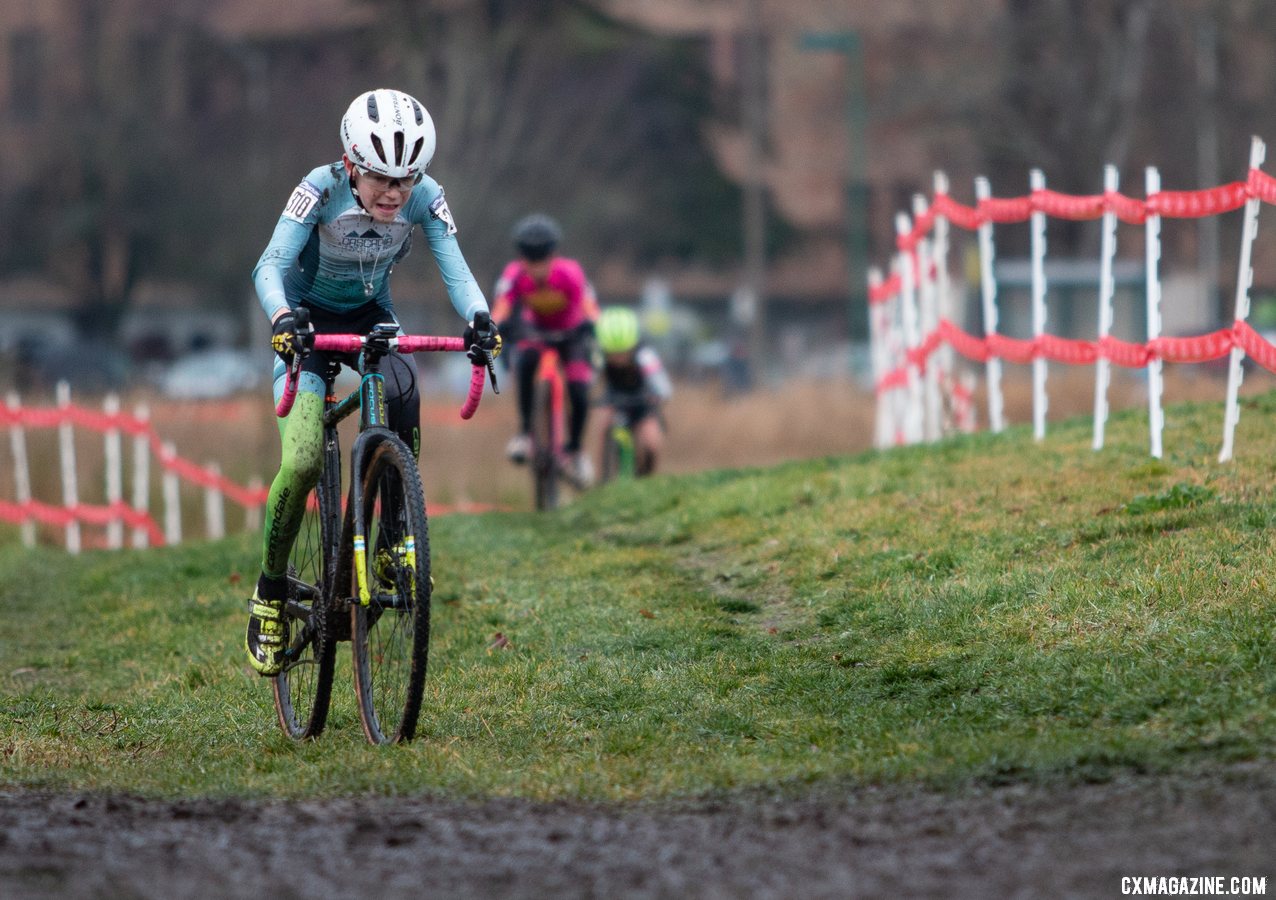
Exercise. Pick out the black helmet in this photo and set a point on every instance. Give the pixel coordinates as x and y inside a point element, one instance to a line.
<point>536,236</point>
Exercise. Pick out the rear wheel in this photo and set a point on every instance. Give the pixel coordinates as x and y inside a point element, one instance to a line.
<point>545,472</point>
<point>391,634</point>
<point>304,688</point>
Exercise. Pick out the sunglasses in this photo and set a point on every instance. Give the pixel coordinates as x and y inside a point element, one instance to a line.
<point>384,182</point>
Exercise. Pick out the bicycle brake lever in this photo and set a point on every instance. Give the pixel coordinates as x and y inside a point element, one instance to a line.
<point>491,374</point>
<point>305,333</point>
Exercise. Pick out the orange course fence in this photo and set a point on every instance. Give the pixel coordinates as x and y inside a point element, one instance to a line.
<point>118,518</point>
<point>116,515</point>
<point>913,335</point>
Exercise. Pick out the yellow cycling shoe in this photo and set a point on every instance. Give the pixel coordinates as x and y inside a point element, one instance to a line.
<point>264,640</point>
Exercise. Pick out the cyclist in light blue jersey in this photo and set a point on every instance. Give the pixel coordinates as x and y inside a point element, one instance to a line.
<point>340,234</point>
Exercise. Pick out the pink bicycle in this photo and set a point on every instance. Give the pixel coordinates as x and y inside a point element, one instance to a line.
<point>362,575</point>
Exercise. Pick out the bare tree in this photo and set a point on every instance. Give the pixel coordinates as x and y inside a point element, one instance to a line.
<point>126,163</point>
<point>1127,82</point>
<point>553,106</point>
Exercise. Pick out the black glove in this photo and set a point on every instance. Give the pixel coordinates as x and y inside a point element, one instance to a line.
<point>283,337</point>
<point>482,340</point>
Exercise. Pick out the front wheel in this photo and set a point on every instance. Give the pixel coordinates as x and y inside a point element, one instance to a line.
<point>618,453</point>
<point>391,631</point>
<point>304,688</point>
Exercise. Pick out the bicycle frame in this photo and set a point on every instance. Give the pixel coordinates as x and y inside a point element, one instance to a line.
<point>369,399</point>
<point>622,437</point>
<point>550,372</point>
<point>620,447</point>
<point>548,429</point>
<point>377,454</point>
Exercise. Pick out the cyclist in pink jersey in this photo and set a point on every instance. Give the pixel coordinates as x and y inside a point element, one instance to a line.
<point>549,302</point>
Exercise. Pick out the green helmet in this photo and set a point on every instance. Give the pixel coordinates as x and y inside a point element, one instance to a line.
<point>617,330</point>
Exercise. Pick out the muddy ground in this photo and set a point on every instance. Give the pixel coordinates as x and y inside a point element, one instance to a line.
<point>1010,841</point>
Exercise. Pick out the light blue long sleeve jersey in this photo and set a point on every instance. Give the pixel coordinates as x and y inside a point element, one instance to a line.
<point>329,252</point>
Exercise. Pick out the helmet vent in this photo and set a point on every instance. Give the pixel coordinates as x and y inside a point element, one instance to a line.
<point>420,113</point>
<point>373,113</point>
<point>398,148</point>
<point>376,143</point>
<point>416,150</point>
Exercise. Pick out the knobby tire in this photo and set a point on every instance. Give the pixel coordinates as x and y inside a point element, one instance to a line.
<point>303,689</point>
<point>391,635</point>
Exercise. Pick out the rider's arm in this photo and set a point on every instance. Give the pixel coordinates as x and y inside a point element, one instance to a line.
<point>296,222</point>
<point>654,374</point>
<point>589,301</point>
<point>440,229</point>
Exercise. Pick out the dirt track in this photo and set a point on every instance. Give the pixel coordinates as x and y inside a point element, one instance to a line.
<point>991,842</point>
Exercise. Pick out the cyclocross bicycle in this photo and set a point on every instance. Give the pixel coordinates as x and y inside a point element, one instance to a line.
<point>362,575</point>
<point>548,423</point>
<point>619,452</point>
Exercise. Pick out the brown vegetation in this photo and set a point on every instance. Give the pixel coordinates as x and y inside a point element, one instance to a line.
<point>463,463</point>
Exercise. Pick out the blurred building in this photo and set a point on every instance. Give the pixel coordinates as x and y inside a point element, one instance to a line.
<point>820,100</point>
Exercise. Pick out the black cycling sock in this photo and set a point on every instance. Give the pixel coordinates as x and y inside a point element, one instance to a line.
<point>578,396</point>
<point>272,587</point>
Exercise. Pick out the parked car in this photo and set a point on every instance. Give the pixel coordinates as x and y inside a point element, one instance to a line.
<point>85,367</point>
<point>210,374</point>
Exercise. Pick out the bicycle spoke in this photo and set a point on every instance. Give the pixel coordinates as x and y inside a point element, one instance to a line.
<point>392,631</point>
<point>303,689</point>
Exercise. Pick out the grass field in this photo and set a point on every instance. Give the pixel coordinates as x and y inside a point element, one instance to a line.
<point>988,608</point>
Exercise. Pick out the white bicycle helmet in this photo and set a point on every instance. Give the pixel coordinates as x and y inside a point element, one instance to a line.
<point>388,132</point>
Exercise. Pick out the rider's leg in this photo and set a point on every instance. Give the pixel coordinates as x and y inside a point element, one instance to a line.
<point>403,400</point>
<point>578,400</point>
<point>579,369</point>
<point>649,440</point>
<point>580,375</point>
<point>528,358</point>
<point>520,445</point>
<point>299,468</point>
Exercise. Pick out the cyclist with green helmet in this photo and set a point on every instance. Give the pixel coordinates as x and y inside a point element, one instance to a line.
<point>635,385</point>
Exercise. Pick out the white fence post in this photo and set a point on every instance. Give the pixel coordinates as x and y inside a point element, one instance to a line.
<point>172,499</point>
<point>70,486</point>
<point>1152,245</point>
<point>141,476</point>
<point>1107,289</point>
<point>214,505</point>
<point>878,359</point>
<point>988,292</point>
<point>1244,280</point>
<point>943,290</point>
<point>928,319</point>
<point>897,355</point>
<point>114,473</point>
<point>1040,402</point>
<point>21,472</point>
<point>913,428</point>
